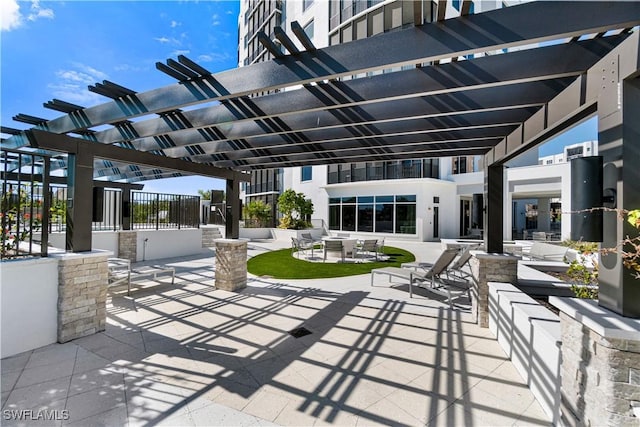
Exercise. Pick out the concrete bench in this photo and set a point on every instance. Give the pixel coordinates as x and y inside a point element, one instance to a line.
<point>530,335</point>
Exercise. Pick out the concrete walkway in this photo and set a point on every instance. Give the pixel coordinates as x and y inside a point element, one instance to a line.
<point>189,354</point>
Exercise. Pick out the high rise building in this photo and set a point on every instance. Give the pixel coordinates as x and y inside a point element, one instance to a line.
<point>405,198</point>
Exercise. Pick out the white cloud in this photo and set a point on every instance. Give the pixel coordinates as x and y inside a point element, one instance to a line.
<point>175,24</point>
<point>214,57</point>
<point>39,12</point>
<point>10,16</point>
<point>75,93</point>
<point>229,12</point>
<point>71,84</point>
<point>180,52</point>
<point>215,20</point>
<point>162,39</point>
<point>129,67</point>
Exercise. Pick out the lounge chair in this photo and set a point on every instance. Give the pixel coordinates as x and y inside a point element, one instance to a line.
<point>456,269</point>
<point>333,246</point>
<point>432,274</point>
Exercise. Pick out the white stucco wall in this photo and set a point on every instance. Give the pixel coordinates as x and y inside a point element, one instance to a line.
<point>28,304</point>
<point>168,243</point>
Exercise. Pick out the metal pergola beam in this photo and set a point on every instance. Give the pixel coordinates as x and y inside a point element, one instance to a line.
<point>497,29</point>
<point>573,105</point>
<point>497,70</point>
<point>56,142</point>
<point>62,180</point>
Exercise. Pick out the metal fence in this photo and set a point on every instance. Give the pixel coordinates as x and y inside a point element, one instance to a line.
<point>23,206</point>
<point>27,217</point>
<point>160,211</point>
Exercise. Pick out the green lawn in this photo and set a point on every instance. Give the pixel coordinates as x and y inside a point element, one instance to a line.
<point>281,265</point>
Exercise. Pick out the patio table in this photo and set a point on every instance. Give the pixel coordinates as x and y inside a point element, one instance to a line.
<point>348,243</point>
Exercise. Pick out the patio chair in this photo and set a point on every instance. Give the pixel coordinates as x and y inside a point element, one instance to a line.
<point>432,274</point>
<point>369,246</point>
<point>309,237</point>
<point>301,245</point>
<point>333,246</point>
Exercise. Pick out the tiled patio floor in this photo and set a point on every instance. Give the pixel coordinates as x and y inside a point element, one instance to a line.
<point>192,355</point>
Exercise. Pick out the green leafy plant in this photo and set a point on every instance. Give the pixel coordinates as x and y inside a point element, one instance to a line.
<point>205,194</point>
<point>257,214</point>
<point>20,217</point>
<point>296,210</point>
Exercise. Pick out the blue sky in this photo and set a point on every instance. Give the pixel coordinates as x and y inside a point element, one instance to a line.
<point>56,49</point>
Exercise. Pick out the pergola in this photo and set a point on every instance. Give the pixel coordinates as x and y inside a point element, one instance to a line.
<point>444,88</point>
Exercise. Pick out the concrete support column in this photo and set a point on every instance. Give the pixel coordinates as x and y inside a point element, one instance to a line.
<point>79,201</point>
<point>600,370</point>
<point>232,230</point>
<point>82,295</point>
<point>487,268</point>
<point>494,218</point>
<point>128,245</point>
<point>544,214</point>
<point>231,264</point>
<point>618,130</point>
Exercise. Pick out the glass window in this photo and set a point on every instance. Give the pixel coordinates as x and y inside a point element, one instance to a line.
<point>306,4</point>
<point>406,219</point>
<point>308,29</point>
<point>365,218</point>
<point>376,22</point>
<point>375,171</point>
<point>306,173</point>
<point>365,199</point>
<point>332,177</point>
<point>334,217</point>
<point>347,34</point>
<point>406,198</point>
<point>391,170</point>
<point>348,200</point>
<point>360,27</point>
<point>334,200</point>
<point>392,16</point>
<point>456,4</point>
<point>384,218</point>
<point>349,217</point>
<point>384,199</point>
<point>345,173</point>
<point>359,172</point>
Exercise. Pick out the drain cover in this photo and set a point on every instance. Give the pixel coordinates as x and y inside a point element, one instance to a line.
<point>299,332</point>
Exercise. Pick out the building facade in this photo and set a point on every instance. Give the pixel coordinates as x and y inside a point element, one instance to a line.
<point>422,199</point>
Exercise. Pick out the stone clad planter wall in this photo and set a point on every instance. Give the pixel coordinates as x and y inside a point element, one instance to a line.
<point>487,268</point>
<point>600,365</point>
<point>231,264</point>
<point>82,294</point>
<point>128,244</point>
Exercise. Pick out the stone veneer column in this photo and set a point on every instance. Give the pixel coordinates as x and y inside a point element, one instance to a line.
<point>231,264</point>
<point>128,245</point>
<point>487,268</point>
<point>82,294</point>
<point>600,370</point>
